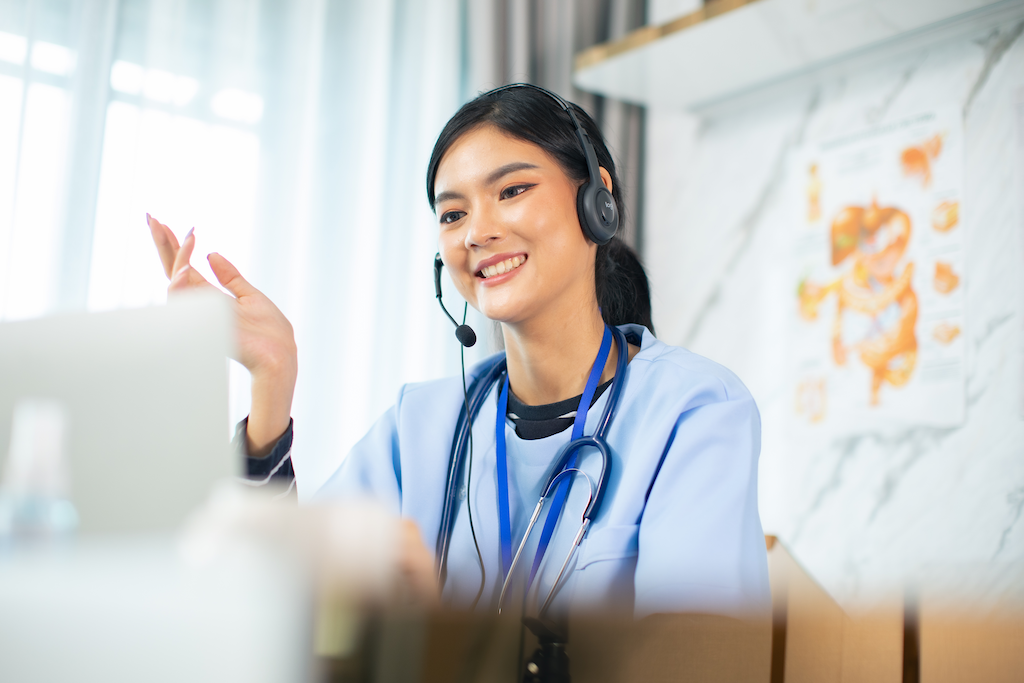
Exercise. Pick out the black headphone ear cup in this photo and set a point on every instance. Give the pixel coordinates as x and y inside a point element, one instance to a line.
<point>581,211</point>
<point>599,217</point>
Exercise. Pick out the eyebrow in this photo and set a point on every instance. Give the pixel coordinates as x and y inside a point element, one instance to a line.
<point>502,171</point>
<point>495,175</point>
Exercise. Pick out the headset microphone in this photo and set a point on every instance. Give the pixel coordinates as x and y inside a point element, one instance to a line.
<point>464,333</point>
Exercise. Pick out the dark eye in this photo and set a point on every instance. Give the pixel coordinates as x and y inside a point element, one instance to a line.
<point>449,217</point>
<point>514,191</point>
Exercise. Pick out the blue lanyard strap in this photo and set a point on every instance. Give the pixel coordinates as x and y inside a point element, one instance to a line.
<point>558,501</point>
<point>504,521</point>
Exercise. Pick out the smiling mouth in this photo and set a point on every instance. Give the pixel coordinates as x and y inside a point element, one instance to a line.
<point>501,267</point>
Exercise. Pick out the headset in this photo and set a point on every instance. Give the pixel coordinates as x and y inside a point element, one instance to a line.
<point>599,220</point>
<point>595,206</point>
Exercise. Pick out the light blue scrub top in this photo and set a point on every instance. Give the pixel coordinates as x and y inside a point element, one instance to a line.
<point>678,530</point>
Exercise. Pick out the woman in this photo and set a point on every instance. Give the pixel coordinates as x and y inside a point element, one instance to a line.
<point>678,528</point>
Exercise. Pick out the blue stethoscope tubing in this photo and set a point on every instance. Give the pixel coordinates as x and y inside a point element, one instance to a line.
<point>596,495</point>
<point>476,395</point>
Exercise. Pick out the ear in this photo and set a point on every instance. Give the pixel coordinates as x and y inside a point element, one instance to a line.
<point>606,177</point>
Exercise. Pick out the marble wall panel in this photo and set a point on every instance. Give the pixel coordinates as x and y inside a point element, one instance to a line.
<point>871,511</point>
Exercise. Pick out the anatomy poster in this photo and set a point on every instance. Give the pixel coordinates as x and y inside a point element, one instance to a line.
<point>878,289</point>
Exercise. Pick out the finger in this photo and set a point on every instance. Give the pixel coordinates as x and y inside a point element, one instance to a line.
<point>181,259</point>
<point>166,243</point>
<point>410,530</point>
<point>166,246</point>
<point>188,278</point>
<point>229,276</point>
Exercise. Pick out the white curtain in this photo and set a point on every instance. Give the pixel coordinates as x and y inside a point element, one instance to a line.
<point>294,136</point>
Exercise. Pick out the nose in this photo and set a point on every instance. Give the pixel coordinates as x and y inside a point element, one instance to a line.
<point>484,227</point>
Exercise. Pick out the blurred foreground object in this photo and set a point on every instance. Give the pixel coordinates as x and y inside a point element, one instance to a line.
<point>930,637</point>
<point>35,486</point>
<point>347,551</point>
<point>401,646</point>
<point>135,402</point>
<point>928,634</point>
<point>123,417</point>
<point>240,595</point>
<point>123,609</point>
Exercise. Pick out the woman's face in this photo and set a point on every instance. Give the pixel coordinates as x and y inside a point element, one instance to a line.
<point>509,234</point>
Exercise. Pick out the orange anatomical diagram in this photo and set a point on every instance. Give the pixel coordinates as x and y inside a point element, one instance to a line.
<point>945,216</point>
<point>945,279</point>
<point>874,290</point>
<point>917,159</point>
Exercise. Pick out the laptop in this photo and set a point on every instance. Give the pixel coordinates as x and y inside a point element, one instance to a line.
<point>143,400</point>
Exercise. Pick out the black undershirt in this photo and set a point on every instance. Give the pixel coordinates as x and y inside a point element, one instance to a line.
<point>539,422</point>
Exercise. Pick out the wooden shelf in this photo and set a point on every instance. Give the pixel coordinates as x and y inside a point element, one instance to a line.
<point>735,46</point>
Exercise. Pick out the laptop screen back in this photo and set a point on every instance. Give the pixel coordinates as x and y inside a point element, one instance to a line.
<point>144,397</point>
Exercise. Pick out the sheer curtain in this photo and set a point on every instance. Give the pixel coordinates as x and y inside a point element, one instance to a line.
<point>293,135</point>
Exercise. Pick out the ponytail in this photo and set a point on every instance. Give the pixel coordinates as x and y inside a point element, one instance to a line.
<point>623,292</point>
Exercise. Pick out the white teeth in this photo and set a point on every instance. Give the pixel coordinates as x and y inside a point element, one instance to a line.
<point>503,267</point>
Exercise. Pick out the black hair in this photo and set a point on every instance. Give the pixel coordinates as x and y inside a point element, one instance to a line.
<point>623,292</point>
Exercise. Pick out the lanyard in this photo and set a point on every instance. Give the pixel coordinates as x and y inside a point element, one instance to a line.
<point>558,501</point>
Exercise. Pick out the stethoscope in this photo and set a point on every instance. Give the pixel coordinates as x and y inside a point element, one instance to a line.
<point>558,479</point>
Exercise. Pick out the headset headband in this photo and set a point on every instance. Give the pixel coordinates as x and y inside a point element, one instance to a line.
<point>599,217</point>
<point>593,168</point>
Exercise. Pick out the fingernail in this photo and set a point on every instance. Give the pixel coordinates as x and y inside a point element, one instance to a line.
<point>148,219</point>
<point>189,233</point>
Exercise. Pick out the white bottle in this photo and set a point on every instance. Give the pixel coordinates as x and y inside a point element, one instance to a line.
<point>35,489</point>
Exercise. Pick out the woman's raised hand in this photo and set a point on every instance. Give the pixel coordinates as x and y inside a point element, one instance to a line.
<point>266,341</point>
